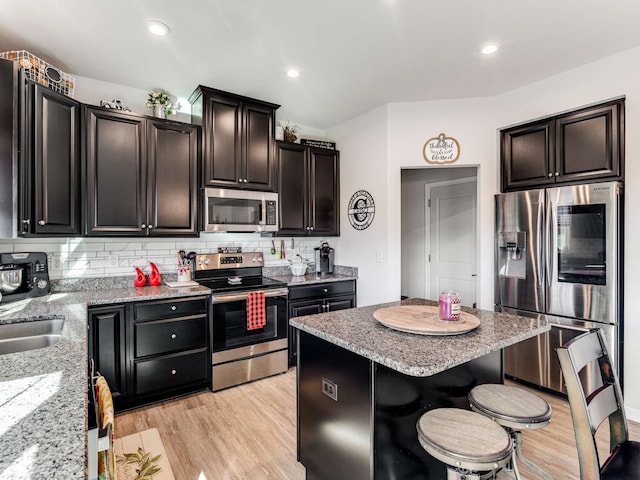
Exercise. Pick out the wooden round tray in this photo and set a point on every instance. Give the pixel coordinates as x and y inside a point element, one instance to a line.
<point>424,320</point>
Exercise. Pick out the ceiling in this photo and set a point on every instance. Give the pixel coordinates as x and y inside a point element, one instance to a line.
<point>354,55</point>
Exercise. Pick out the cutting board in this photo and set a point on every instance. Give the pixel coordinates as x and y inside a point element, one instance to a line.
<point>424,320</point>
<point>188,283</point>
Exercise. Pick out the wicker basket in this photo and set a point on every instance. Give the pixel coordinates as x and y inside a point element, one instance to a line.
<point>42,72</point>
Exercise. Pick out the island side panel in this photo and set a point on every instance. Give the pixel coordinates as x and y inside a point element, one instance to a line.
<point>400,400</point>
<point>335,435</point>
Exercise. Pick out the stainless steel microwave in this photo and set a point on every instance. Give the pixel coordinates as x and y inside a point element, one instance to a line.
<point>227,210</point>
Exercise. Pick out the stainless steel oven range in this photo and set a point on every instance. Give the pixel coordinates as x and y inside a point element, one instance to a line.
<point>243,350</point>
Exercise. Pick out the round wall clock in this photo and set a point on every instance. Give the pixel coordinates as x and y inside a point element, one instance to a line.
<point>362,209</point>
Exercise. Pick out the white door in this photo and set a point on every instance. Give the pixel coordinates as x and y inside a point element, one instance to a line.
<point>451,247</point>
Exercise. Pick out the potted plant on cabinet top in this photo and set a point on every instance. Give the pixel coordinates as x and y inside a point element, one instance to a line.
<point>162,104</point>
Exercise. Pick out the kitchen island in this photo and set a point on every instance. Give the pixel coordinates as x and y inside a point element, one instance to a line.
<point>362,386</point>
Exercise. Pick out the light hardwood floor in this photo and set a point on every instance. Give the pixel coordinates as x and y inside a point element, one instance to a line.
<point>249,432</point>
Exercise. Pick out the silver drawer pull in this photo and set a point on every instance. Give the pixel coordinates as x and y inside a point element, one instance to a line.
<point>173,335</point>
<point>325,290</point>
<point>173,308</point>
<point>173,372</point>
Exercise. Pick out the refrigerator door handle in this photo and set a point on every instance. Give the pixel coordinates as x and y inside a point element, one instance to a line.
<point>539,245</point>
<point>551,237</point>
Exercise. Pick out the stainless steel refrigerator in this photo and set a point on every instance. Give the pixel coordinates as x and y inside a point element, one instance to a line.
<point>559,254</point>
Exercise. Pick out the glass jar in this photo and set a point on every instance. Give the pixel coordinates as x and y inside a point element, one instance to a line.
<point>449,303</point>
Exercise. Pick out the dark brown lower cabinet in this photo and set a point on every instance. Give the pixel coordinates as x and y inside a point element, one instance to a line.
<point>318,298</point>
<point>153,350</point>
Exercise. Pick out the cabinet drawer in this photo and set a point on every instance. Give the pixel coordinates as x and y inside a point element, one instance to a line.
<point>175,307</point>
<point>165,336</point>
<point>171,371</point>
<point>322,289</point>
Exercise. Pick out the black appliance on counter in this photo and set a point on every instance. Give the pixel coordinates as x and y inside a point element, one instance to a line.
<point>23,275</point>
<point>240,354</point>
<point>324,256</point>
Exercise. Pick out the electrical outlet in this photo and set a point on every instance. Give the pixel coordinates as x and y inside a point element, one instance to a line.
<point>113,260</point>
<point>56,262</point>
<point>379,256</point>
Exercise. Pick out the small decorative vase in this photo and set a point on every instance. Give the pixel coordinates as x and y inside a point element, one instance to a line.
<point>289,137</point>
<point>160,111</point>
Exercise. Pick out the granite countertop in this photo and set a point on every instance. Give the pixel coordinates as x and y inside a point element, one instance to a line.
<point>311,278</point>
<point>412,354</point>
<point>43,394</point>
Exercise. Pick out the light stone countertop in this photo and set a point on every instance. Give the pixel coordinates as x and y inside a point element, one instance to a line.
<point>413,354</point>
<point>43,392</point>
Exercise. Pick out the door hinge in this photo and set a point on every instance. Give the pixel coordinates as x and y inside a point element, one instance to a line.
<point>429,258</point>
<point>429,203</point>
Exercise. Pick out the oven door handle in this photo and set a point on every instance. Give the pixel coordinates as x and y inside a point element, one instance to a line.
<point>235,297</point>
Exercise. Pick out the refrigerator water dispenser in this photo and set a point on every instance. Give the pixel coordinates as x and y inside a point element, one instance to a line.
<point>512,261</point>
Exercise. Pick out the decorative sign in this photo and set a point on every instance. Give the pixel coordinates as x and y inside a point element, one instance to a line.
<point>441,150</point>
<point>361,210</point>
<point>318,143</point>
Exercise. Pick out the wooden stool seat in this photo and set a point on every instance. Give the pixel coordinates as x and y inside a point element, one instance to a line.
<point>510,406</point>
<point>464,440</point>
<point>515,409</point>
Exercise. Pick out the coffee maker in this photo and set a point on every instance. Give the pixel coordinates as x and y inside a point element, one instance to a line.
<point>23,275</point>
<point>324,258</point>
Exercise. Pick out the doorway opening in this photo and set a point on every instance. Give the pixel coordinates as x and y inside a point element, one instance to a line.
<point>439,244</point>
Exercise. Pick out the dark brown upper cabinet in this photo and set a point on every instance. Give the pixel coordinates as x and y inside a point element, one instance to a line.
<point>309,189</point>
<point>141,175</point>
<point>238,139</point>
<point>581,146</point>
<point>50,163</point>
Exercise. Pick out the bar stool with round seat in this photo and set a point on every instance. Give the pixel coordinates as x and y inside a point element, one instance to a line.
<point>515,409</point>
<point>471,445</point>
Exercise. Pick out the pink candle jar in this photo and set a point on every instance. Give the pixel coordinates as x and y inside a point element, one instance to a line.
<point>449,305</point>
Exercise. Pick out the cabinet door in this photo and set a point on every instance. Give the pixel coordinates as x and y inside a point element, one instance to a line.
<point>339,303</point>
<point>293,188</point>
<point>588,144</point>
<point>172,178</point>
<point>306,307</point>
<point>107,346</point>
<point>258,138</point>
<point>222,156</point>
<point>324,192</point>
<point>116,173</point>
<point>527,156</point>
<point>51,177</point>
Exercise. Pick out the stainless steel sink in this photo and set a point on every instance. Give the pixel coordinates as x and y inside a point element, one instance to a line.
<point>19,337</point>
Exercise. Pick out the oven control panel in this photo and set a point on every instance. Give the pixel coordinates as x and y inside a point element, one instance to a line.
<point>219,261</point>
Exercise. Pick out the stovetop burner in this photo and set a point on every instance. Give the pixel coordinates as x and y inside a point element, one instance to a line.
<point>246,283</point>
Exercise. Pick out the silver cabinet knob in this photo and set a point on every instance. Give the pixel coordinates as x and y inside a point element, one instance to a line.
<point>42,222</point>
<point>239,180</point>
<point>150,226</point>
<point>246,181</point>
<point>144,225</point>
<point>325,290</point>
<point>311,228</point>
<point>557,174</point>
<point>173,335</point>
<point>173,308</point>
<point>173,372</point>
<point>550,175</point>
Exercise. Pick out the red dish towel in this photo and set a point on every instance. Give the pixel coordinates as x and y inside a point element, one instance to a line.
<point>256,313</point>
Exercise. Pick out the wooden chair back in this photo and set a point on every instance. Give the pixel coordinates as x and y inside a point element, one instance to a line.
<point>589,409</point>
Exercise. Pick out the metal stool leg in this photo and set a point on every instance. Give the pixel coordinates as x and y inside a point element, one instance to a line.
<point>517,440</point>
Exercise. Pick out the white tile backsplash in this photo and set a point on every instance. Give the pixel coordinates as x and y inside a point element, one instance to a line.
<point>99,257</point>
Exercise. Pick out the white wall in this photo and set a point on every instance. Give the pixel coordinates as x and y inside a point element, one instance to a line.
<point>614,76</point>
<point>363,166</point>
<point>475,124</point>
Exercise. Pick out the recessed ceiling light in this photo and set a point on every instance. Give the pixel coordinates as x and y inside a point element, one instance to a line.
<point>293,73</point>
<point>157,28</point>
<point>490,49</point>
